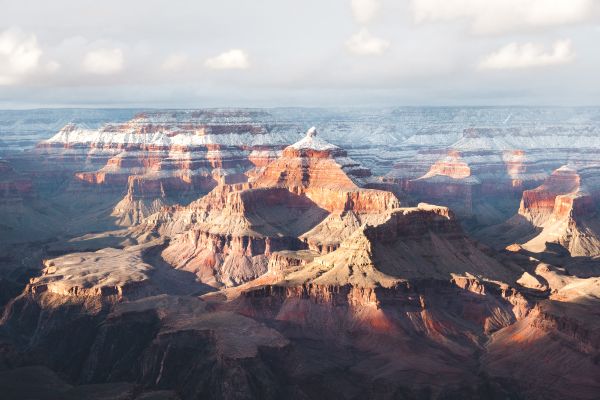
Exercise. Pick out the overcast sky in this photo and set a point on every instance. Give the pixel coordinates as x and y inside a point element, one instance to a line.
<point>157,53</point>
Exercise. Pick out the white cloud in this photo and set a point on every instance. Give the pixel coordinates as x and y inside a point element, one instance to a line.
<point>175,62</point>
<point>232,59</point>
<point>364,11</point>
<point>105,61</point>
<point>498,16</point>
<point>528,55</point>
<point>363,43</point>
<point>21,56</point>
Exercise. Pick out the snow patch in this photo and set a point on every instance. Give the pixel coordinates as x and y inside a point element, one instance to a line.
<point>312,142</point>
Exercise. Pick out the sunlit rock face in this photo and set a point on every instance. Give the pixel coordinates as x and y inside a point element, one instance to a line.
<point>538,204</point>
<point>448,181</point>
<point>107,274</point>
<point>564,207</point>
<point>562,211</point>
<point>482,173</point>
<point>310,198</point>
<point>326,175</point>
<point>186,154</point>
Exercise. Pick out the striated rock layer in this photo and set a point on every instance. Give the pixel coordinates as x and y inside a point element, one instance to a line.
<point>483,174</point>
<point>309,198</point>
<point>185,154</point>
<point>561,211</point>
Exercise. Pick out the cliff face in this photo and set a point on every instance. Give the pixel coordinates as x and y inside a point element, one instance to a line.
<point>564,209</point>
<point>482,174</point>
<point>537,205</point>
<point>409,293</point>
<point>185,153</point>
<point>148,194</point>
<point>156,341</point>
<point>307,199</point>
<point>562,331</point>
<point>392,277</point>
<point>413,283</point>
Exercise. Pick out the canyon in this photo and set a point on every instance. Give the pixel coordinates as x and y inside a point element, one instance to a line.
<point>242,254</point>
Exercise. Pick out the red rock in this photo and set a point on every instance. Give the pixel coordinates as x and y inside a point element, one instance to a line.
<point>232,232</point>
<point>537,204</point>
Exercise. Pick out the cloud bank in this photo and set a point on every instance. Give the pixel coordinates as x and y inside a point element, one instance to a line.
<point>501,16</point>
<point>363,43</point>
<point>104,61</point>
<point>528,55</point>
<point>21,57</point>
<point>380,51</point>
<point>365,11</point>
<point>175,62</point>
<point>232,59</point>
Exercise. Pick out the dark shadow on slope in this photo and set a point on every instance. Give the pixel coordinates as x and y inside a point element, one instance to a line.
<point>170,280</point>
<point>277,212</point>
<point>555,254</point>
<point>516,230</point>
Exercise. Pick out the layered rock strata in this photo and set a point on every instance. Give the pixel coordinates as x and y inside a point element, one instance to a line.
<point>308,198</point>
<point>185,153</point>
<point>561,211</point>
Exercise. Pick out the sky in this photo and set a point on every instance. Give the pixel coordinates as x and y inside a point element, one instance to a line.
<point>266,53</point>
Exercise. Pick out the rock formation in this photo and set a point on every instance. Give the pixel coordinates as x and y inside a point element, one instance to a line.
<point>182,153</point>
<point>308,198</point>
<point>253,269</point>
<point>561,211</point>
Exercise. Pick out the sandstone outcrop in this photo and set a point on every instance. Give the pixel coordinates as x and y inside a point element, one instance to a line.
<point>183,153</point>
<point>110,273</point>
<point>484,172</point>
<point>227,237</point>
<point>561,211</point>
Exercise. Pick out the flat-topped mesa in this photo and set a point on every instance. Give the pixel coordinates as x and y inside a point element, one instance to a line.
<point>105,275</point>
